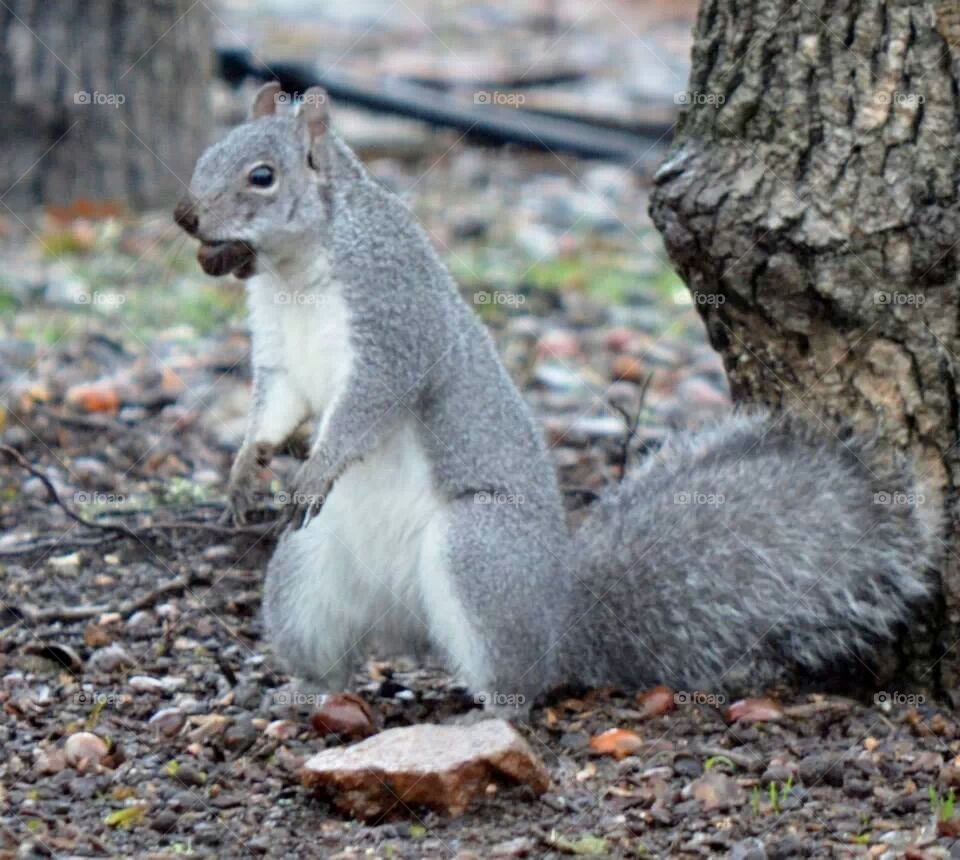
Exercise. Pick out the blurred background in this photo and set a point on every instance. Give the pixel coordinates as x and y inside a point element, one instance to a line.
<point>523,135</point>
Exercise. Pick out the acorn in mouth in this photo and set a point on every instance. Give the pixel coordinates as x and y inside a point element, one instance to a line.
<point>221,258</point>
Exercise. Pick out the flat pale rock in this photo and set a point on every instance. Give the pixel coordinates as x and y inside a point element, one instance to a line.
<point>441,767</point>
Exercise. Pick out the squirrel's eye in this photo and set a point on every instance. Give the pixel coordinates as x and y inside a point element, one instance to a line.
<point>261,176</point>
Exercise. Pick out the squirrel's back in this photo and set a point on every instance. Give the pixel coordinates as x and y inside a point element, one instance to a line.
<point>746,554</point>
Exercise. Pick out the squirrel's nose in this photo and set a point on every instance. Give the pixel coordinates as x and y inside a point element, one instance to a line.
<point>186,217</point>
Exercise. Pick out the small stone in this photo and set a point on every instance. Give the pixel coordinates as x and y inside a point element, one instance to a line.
<point>344,714</point>
<point>753,711</point>
<point>95,636</point>
<point>687,766</point>
<point>146,684</point>
<point>141,623</point>
<point>821,767</point>
<point>748,849</point>
<point>82,788</point>
<point>164,821</point>
<point>50,761</point>
<point>219,552</point>
<point>716,790</point>
<point>240,736</point>
<point>167,722</point>
<point>208,726</point>
<point>558,344</point>
<point>109,659</point>
<point>441,767</point>
<point>282,730</point>
<point>84,749</point>
<point>188,775</point>
<point>522,846</point>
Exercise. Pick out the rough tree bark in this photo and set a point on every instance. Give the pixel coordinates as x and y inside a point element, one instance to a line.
<point>101,99</point>
<point>811,205</point>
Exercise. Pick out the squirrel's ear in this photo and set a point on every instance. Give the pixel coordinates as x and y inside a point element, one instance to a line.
<point>313,112</point>
<point>265,101</point>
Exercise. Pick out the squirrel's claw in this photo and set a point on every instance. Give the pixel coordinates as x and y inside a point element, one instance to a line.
<point>300,510</point>
<point>243,478</point>
<point>306,497</point>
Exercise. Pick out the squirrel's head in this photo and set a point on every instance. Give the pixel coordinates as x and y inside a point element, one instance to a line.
<point>264,189</point>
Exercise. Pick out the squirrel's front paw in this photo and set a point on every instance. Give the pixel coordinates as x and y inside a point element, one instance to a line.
<point>243,478</point>
<point>307,494</point>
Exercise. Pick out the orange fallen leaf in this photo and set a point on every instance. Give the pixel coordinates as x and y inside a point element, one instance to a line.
<point>95,397</point>
<point>656,701</point>
<point>753,711</point>
<point>618,743</point>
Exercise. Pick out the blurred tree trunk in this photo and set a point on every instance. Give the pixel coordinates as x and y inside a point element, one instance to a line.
<point>811,205</point>
<point>101,99</point>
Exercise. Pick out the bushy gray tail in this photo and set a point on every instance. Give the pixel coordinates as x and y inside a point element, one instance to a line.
<point>747,554</point>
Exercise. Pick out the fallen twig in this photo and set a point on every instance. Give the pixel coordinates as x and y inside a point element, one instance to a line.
<point>84,613</point>
<point>632,422</point>
<point>140,533</point>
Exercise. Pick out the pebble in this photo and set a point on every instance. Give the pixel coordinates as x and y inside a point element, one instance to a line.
<point>240,735</point>
<point>110,659</point>
<point>164,821</point>
<point>282,730</point>
<point>82,787</point>
<point>167,722</point>
<point>142,622</point>
<point>146,684</point>
<point>748,849</point>
<point>187,774</point>
<point>821,767</point>
<point>84,748</point>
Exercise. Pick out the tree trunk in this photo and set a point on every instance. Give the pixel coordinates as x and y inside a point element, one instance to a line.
<point>810,203</point>
<point>101,99</point>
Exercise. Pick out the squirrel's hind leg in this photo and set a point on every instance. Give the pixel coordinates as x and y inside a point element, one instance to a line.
<point>478,569</point>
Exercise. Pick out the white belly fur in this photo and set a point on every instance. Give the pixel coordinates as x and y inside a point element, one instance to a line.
<point>370,565</point>
<point>366,549</point>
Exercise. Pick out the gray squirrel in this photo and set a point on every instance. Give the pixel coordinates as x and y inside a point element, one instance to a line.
<point>428,514</point>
